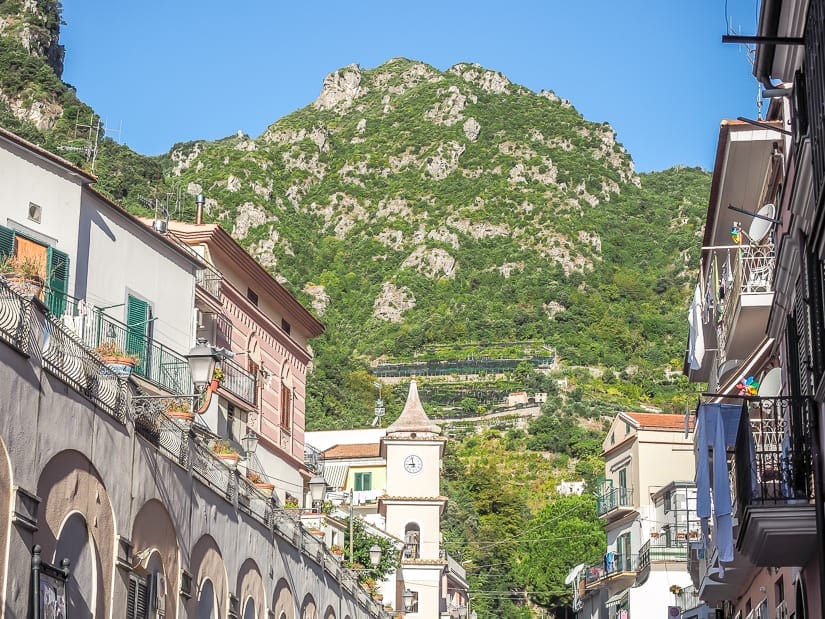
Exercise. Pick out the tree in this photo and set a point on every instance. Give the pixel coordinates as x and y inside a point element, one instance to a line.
<point>362,542</point>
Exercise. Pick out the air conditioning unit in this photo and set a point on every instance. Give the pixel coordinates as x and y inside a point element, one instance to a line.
<point>158,593</point>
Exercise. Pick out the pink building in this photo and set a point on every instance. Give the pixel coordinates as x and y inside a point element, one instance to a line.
<point>240,307</point>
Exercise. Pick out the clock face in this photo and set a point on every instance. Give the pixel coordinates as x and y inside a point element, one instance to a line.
<point>413,464</point>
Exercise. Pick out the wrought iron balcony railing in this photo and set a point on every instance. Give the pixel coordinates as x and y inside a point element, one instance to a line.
<point>613,499</point>
<point>239,382</point>
<point>772,463</point>
<point>613,564</point>
<point>662,550</point>
<point>210,281</point>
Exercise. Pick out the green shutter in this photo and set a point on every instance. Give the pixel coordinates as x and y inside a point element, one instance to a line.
<point>137,323</point>
<point>58,280</point>
<point>6,242</point>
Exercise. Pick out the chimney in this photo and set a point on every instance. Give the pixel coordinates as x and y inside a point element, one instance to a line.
<point>199,215</point>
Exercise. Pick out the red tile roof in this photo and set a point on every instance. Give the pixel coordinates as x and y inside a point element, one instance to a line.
<point>659,421</point>
<point>357,450</point>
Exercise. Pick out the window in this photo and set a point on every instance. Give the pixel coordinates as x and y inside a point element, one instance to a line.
<point>137,600</point>
<point>612,438</point>
<point>252,296</point>
<point>627,428</point>
<point>363,481</point>
<point>35,212</point>
<point>668,502</point>
<point>138,319</point>
<point>286,407</point>
<point>55,265</point>
<point>623,479</point>
<point>286,326</point>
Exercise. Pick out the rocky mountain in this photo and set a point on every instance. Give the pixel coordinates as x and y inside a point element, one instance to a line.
<point>417,210</point>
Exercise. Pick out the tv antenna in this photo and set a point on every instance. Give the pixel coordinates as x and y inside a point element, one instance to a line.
<point>90,134</point>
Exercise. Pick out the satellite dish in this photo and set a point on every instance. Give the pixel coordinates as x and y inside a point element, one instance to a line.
<point>760,227</point>
<point>771,385</point>
<point>571,575</point>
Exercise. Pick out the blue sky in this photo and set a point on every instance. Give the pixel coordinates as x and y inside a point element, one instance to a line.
<point>177,70</point>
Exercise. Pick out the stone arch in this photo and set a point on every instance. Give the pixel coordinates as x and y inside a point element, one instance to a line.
<point>308,608</point>
<point>251,586</point>
<point>249,611</point>
<point>207,565</point>
<point>412,541</point>
<point>283,603</point>
<point>330,614</point>
<point>69,484</point>
<point>207,603</point>
<point>76,544</point>
<point>154,532</point>
<point>5,508</point>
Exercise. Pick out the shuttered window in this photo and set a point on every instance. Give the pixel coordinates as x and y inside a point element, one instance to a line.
<point>58,280</point>
<point>137,323</point>
<point>6,242</point>
<point>803,340</point>
<point>137,601</point>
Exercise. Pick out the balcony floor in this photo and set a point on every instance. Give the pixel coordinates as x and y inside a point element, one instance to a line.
<point>778,535</point>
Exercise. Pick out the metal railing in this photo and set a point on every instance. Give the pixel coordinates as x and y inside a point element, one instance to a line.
<point>814,92</point>
<point>618,563</point>
<point>772,462</point>
<point>68,357</point>
<point>65,356</point>
<point>210,281</point>
<point>613,499</point>
<point>239,382</point>
<point>15,311</point>
<point>661,550</point>
<point>313,459</point>
<point>688,598</point>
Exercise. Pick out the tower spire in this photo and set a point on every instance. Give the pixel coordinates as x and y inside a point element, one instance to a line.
<point>413,419</point>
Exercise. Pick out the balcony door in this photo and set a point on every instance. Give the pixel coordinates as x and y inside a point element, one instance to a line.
<point>54,265</point>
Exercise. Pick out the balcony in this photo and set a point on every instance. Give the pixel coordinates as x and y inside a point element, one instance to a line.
<point>772,474</point>
<point>743,312</point>
<point>210,282</point>
<point>654,550</point>
<point>239,382</point>
<point>615,503</point>
<point>618,570</point>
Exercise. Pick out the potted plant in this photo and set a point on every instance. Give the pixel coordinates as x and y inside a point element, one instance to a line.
<point>676,589</point>
<point>217,377</point>
<point>116,359</point>
<point>337,552</point>
<point>180,410</point>
<point>24,274</point>
<point>290,502</point>
<point>316,532</point>
<point>260,483</point>
<point>223,449</point>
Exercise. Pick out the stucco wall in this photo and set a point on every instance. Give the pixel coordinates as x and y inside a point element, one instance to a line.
<point>80,460</point>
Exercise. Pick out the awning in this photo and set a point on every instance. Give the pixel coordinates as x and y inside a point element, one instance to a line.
<point>617,600</point>
<point>335,475</point>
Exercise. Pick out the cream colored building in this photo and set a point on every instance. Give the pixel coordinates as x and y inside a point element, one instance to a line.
<point>647,503</point>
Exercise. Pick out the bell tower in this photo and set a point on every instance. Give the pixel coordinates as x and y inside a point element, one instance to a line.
<point>412,448</point>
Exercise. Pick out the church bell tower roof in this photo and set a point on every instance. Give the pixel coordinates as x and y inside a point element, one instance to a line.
<point>413,420</point>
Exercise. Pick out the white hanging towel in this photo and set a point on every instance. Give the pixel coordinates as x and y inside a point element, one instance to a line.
<point>696,339</point>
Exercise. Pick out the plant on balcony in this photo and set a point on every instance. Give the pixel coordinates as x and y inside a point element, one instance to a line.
<point>676,589</point>
<point>316,532</point>
<point>290,502</point>
<point>218,374</point>
<point>337,551</point>
<point>223,449</point>
<point>260,483</point>
<point>111,352</point>
<point>180,410</point>
<point>24,274</point>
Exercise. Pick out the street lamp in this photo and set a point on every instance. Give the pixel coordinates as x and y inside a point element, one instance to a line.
<point>407,599</point>
<point>317,486</point>
<point>202,360</point>
<point>375,555</point>
<point>249,442</point>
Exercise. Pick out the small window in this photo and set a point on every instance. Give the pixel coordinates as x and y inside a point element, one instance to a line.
<point>287,328</point>
<point>363,481</point>
<point>286,408</point>
<point>35,212</point>
<point>252,296</point>
<point>612,439</point>
<point>137,599</point>
<point>622,478</point>
<point>627,428</point>
<point>668,502</point>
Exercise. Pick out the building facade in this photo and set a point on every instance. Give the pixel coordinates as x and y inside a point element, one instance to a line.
<point>756,336</point>
<point>649,511</point>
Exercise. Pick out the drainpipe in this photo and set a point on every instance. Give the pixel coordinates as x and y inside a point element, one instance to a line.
<point>199,214</point>
<point>769,19</point>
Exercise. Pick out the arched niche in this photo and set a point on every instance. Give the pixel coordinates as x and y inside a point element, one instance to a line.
<point>283,602</point>
<point>207,603</point>
<point>69,484</point>
<point>207,565</point>
<point>76,544</point>
<point>308,608</point>
<point>250,587</point>
<point>154,535</point>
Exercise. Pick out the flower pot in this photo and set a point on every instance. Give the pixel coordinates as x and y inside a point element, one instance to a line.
<point>230,459</point>
<point>264,487</point>
<point>120,365</point>
<point>185,416</point>
<point>213,386</point>
<point>26,285</point>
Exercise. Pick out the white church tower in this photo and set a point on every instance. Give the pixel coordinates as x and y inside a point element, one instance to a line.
<point>413,505</point>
